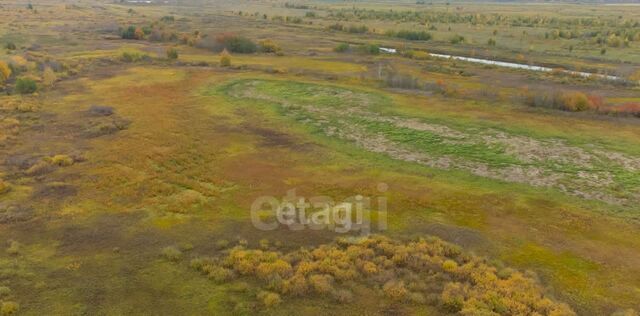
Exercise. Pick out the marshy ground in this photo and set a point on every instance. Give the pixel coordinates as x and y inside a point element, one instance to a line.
<point>126,185</point>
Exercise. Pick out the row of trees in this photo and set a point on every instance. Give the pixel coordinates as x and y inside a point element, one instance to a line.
<point>431,16</point>
<point>226,41</point>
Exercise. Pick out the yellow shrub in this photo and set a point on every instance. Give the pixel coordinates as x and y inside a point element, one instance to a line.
<point>269,299</point>
<point>449,265</point>
<point>296,286</point>
<point>9,308</point>
<point>268,46</point>
<point>5,71</point>
<point>62,160</point>
<point>395,290</point>
<point>321,283</point>
<point>4,187</point>
<point>49,77</point>
<point>225,59</point>
<point>19,61</point>
<point>280,267</point>
<point>369,268</point>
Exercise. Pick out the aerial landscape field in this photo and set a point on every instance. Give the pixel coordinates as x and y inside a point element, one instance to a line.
<point>319,157</point>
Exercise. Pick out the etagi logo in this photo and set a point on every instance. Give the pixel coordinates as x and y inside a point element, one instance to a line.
<point>355,213</point>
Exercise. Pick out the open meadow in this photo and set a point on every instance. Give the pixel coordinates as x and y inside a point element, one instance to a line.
<point>141,140</point>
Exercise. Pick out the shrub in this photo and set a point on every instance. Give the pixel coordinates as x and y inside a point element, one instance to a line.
<point>411,35</point>
<point>336,27</point>
<point>49,77</point>
<point>295,286</point>
<point>133,56</point>
<point>172,53</point>
<point>132,32</point>
<point>343,296</point>
<point>268,46</point>
<point>457,39</point>
<point>416,54</point>
<point>417,298</point>
<point>222,244</point>
<point>5,72</point>
<point>4,291</point>
<point>168,18</point>
<point>234,44</point>
<point>453,297</point>
<point>371,49</point>
<point>491,42</point>
<point>10,46</point>
<point>449,265</point>
<point>479,290</point>
<point>4,188</point>
<point>358,29</point>
<point>395,290</point>
<point>342,47</point>
<point>26,86</point>
<point>321,283</point>
<point>280,268</point>
<point>14,248</point>
<point>9,308</point>
<point>631,108</point>
<point>219,274</point>
<point>61,160</point>
<point>172,253</point>
<point>225,59</point>
<point>269,299</point>
<point>572,101</point>
<point>369,268</point>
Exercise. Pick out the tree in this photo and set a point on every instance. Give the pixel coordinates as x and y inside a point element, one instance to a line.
<point>139,33</point>
<point>26,86</point>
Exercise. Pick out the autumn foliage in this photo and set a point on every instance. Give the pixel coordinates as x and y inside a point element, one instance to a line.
<point>423,271</point>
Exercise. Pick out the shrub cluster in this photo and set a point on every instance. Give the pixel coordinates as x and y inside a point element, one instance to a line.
<point>355,29</point>
<point>572,101</point>
<point>423,271</point>
<point>411,35</point>
<point>132,32</point>
<point>238,44</point>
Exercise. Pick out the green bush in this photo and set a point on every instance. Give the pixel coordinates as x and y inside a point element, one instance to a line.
<point>172,53</point>
<point>342,47</point>
<point>26,86</point>
<point>456,39</point>
<point>239,44</point>
<point>10,46</point>
<point>411,35</point>
<point>371,49</point>
<point>133,56</point>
